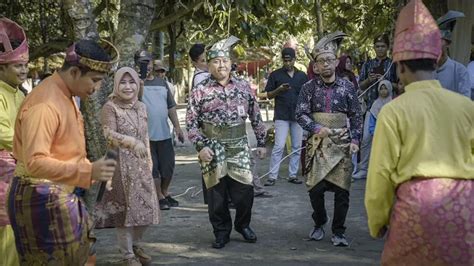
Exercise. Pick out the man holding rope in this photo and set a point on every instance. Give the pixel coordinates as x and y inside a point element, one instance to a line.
<point>324,105</point>
<point>217,111</point>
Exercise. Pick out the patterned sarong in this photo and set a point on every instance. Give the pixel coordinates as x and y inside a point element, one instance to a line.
<point>49,222</point>
<point>432,223</point>
<point>231,156</point>
<point>329,158</point>
<point>7,167</point>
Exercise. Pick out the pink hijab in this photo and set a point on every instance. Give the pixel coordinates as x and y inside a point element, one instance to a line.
<point>117,78</point>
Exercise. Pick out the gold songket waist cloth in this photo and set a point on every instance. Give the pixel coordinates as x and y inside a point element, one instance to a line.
<point>329,158</point>
<point>231,154</point>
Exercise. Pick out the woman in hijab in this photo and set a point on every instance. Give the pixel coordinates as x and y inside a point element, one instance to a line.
<point>131,204</point>
<point>385,95</point>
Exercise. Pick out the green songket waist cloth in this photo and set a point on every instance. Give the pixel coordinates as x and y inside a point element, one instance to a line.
<point>329,158</point>
<point>231,154</point>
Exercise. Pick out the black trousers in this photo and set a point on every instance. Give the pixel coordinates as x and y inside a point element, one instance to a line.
<point>341,205</point>
<point>204,190</point>
<point>219,215</point>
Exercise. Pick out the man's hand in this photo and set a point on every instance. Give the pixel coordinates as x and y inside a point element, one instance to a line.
<point>103,169</point>
<point>373,77</point>
<point>261,152</point>
<point>140,149</point>
<point>382,232</point>
<point>206,154</point>
<point>354,148</point>
<point>180,134</point>
<point>323,132</point>
<point>284,87</point>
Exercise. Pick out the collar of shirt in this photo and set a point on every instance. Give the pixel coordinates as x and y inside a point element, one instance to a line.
<point>448,62</point>
<point>61,84</point>
<point>424,84</point>
<point>214,82</point>
<point>7,86</point>
<point>337,82</point>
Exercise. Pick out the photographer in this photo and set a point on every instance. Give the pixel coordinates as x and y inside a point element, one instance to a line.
<point>370,73</point>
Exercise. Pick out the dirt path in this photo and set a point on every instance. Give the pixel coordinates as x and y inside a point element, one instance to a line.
<point>282,224</point>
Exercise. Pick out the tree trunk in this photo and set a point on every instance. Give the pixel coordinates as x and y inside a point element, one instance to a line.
<point>319,19</point>
<point>134,22</point>
<point>80,11</point>
<point>172,49</point>
<point>437,8</point>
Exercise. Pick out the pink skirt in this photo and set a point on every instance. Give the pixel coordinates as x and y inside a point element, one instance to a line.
<point>7,167</point>
<point>432,223</point>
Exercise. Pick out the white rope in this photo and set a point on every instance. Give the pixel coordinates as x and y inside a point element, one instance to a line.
<point>279,162</point>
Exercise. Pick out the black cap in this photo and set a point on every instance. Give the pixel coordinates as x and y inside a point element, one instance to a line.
<point>142,56</point>
<point>382,38</point>
<point>288,53</point>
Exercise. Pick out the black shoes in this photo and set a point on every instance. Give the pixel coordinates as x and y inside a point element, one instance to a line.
<point>220,242</point>
<point>295,180</point>
<point>270,182</point>
<point>168,202</point>
<point>248,234</point>
<point>164,204</point>
<point>172,202</point>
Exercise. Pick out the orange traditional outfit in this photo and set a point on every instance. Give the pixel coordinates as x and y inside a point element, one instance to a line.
<point>49,221</point>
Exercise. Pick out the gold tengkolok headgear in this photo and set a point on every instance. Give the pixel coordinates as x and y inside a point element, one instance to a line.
<point>72,57</point>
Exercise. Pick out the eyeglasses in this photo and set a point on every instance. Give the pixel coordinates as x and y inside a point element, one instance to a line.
<point>325,61</point>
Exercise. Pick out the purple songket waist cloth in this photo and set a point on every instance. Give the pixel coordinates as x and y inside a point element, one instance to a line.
<point>50,223</point>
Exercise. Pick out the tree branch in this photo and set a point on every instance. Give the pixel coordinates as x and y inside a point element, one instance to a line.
<point>163,22</point>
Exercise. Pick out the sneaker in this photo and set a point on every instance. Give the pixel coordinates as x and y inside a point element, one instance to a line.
<point>270,182</point>
<point>164,204</point>
<point>317,233</point>
<point>141,255</point>
<point>172,202</point>
<point>130,262</point>
<point>339,240</point>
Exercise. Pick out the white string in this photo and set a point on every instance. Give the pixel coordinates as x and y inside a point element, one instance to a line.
<point>260,177</point>
<point>279,162</point>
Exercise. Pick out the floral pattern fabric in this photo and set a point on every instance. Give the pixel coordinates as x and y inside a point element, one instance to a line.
<point>218,105</point>
<point>340,97</point>
<point>133,199</point>
<point>432,223</point>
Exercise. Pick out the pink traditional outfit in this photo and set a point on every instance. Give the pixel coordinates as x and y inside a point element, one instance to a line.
<point>10,100</point>
<point>420,181</point>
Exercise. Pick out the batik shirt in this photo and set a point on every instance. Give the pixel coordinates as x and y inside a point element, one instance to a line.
<point>339,97</point>
<point>368,67</point>
<point>213,103</point>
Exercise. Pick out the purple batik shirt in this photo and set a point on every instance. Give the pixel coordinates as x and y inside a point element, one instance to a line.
<point>211,102</point>
<point>339,97</point>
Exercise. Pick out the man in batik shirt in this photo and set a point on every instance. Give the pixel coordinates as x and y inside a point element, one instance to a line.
<point>324,106</point>
<point>217,111</point>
